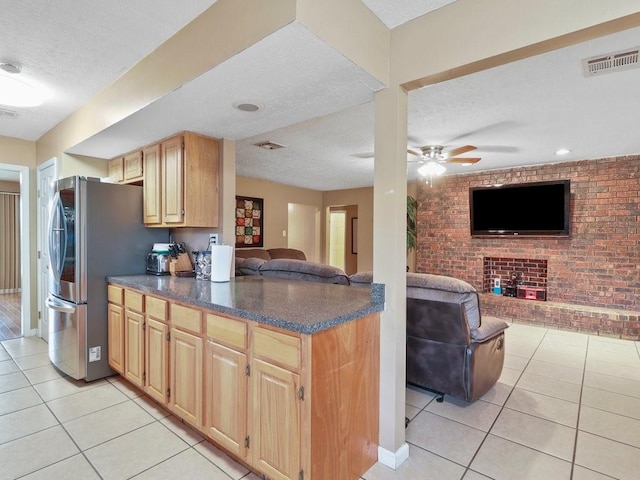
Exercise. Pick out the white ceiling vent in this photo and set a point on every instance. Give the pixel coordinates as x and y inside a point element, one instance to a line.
<point>612,62</point>
<point>269,145</point>
<point>8,114</point>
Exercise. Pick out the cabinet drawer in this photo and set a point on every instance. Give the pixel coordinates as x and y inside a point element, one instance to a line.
<point>186,318</point>
<point>227,331</point>
<point>134,300</point>
<point>114,294</point>
<point>276,346</point>
<point>156,308</point>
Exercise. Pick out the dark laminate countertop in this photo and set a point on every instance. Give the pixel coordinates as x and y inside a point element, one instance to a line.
<point>299,306</point>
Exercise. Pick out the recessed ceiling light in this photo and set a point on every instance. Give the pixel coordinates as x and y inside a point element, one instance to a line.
<point>246,107</point>
<point>562,151</point>
<point>10,67</point>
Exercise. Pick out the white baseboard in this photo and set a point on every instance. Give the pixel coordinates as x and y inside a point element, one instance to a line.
<point>393,459</point>
<point>34,332</point>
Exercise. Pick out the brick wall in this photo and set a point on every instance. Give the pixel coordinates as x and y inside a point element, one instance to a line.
<point>598,265</point>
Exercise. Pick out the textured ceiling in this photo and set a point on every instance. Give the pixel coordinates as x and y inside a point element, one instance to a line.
<point>315,101</point>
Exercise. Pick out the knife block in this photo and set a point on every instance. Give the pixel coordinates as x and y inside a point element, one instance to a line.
<point>181,265</point>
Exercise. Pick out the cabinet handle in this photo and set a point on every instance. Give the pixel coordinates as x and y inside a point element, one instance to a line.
<point>246,441</point>
<point>247,370</point>
<point>301,393</point>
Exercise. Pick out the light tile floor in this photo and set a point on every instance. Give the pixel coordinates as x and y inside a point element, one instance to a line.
<point>567,406</point>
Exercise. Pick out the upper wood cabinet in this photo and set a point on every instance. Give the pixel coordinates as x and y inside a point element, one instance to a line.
<point>115,169</point>
<point>127,168</point>
<point>133,168</point>
<point>181,182</point>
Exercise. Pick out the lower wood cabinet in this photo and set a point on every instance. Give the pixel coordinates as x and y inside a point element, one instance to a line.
<point>186,362</point>
<point>226,398</point>
<point>275,421</point>
<point>290,406</point>
<point>157,360</point>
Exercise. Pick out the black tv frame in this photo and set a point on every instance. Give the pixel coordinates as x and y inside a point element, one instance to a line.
<point>534,189</point>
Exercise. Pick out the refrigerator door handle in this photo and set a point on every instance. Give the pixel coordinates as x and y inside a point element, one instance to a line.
<point>57,237</point>
<point>59,307</point>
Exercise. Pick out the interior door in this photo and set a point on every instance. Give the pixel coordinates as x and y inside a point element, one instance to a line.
<point>46,179</point>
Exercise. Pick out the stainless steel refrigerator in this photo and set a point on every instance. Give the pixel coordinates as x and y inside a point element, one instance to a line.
<point>95,231</point>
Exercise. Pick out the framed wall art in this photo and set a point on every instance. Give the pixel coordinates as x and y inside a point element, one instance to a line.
<point>249,222</point>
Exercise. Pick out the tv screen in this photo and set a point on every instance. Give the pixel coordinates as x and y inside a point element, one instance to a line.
<point>540,208</point>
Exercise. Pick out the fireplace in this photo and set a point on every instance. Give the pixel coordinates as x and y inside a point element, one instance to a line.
<point>529,271</point>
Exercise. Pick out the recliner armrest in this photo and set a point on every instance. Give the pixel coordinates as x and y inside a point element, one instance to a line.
<point>489,327</point>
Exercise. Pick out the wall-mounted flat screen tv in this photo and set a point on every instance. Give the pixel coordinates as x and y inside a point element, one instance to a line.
<point>540,208</point>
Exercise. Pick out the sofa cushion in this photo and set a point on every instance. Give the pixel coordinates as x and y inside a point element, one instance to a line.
<point>446,289</point>
<point>303,270</point>
<point>253,253</point>
<point>489,328</point>
<point>276,253</point>
<point>361,278</point>
<point>249,266</point>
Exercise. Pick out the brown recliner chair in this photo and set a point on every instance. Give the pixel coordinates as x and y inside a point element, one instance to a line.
<point>451,350</point>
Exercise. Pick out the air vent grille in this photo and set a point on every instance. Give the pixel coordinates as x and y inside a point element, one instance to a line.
<point>612,62</point>
<point>269,145</point>
<point>8,114</point>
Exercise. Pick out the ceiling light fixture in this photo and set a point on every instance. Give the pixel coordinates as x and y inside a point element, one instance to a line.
<point>431,169</point>
<point>562,151</point>
<point>16,93</point>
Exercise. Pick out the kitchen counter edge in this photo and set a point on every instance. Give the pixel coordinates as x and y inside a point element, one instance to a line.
<point>294,317</point>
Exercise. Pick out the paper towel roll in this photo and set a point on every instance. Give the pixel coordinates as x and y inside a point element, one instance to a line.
<point>221,263</point>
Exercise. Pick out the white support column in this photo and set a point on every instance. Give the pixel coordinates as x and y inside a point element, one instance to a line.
<point>389,267</point>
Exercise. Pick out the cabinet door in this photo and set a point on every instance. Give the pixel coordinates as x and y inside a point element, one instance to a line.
<point>115,326</point>
<point>133,166</point>
<point>115,169</point>
<point>156,360</point>
<point>134,347</point>
<point>172,180</point>
<point>152,185</point>
<point>226,398</point>
<point>186,376</point>
<point>275,421</point>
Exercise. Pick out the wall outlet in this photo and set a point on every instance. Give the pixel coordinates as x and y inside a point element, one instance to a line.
<point>213,239</point>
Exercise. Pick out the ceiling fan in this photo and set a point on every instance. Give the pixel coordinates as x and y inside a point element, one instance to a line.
<point>433,157</point>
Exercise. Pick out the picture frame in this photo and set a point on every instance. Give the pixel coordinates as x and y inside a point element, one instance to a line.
<point>249,222</point>
<point>354,235</point>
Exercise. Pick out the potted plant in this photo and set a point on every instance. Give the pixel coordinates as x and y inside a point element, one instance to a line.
<point>412,207</point>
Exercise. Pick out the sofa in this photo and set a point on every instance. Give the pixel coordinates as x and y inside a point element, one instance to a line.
<point>293,269</point>
<point>257,256</point>
<point>451,348</point>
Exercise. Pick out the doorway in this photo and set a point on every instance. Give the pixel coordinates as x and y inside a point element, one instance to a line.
<point>46,177</point>
<point>342,237</point>
<point>20,300</point>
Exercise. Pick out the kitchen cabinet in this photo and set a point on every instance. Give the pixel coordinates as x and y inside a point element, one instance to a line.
<point>186,364</point>
<point>226,377</point>
<point>134,337</point>
<point>287,404</point>
<point>127,168</point>
<point>115,327</point>
<point>115,169</point>
<point>133,167</point>
<point>275,421</point>
<point>181,182</point>
<point>156,357</point>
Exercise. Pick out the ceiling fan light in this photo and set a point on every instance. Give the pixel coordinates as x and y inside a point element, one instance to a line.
<point>562,151</point>
<point>16,93</point>
<point>431,168</point>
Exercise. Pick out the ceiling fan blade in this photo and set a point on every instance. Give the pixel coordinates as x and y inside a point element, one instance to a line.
<point>462,160</point>
<point>459,150</point>
<point>413,152</point>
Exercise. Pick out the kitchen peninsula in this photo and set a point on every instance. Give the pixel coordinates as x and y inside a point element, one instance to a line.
<point>283,375</point>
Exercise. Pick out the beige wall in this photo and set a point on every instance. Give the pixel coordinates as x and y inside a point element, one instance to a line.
<point>9,187</point>
<point>276,205</point>
<point>17,152</point>
<point>363,199</point>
